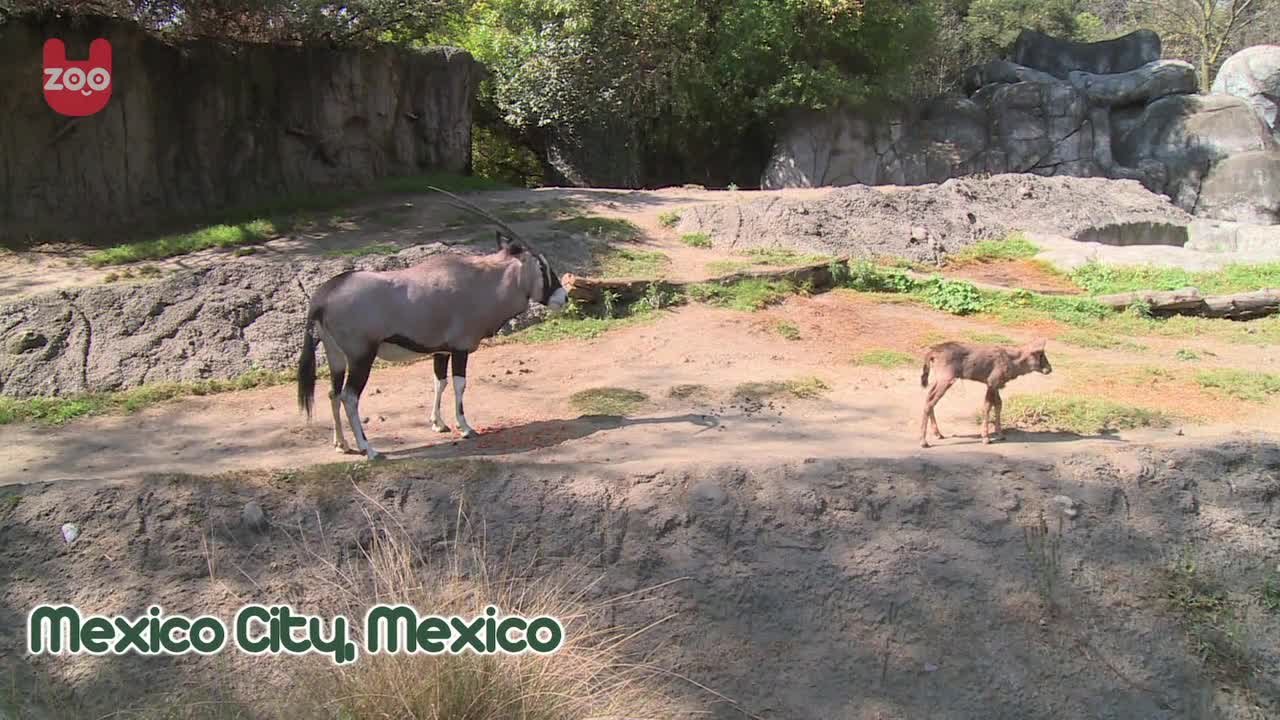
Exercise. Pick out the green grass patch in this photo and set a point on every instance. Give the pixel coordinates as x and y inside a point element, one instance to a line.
<point>216,236</point>
<point>763,257</point>
<point>804,388</point>
<point>669,219</point>
<point>605,228</point>
<point>1269,592</point>
<point>9,503</point>
<point>561,328</point>
<point>607,401</point>
<point>1080,415</point>
<point>59,410</point>
<point>375,249</point>
<point>1097,340</point>
<point>1099,279</point>
<point>611,261</point>
<point>788,330</point>
<point>1013,247</point>
<point>727,267</point>
<point>1250,385</point>
<point>750,294</point>
<point>990,338</point>
<point>887,359</point>
<point>697,240</point>
<point>1186,355</point>
<point>690,391</point>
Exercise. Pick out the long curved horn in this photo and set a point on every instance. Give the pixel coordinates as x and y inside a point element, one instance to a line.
<point>473,208</point>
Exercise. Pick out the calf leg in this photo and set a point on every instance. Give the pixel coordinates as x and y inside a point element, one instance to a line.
<point>357,376</point>
<point>987,404</point>
<point>933,421</point>
<point>935,393</point>
<point>337,376</point>
<point>998,404</point>
<point>442,379</point>
<point>459,387</point>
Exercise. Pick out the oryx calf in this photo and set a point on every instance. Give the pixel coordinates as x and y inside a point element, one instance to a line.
<point>987,364</point>
<point>443,307</point>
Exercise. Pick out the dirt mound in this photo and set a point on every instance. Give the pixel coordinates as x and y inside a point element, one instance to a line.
<point>217,322</point>
<point>925,222</point>
<point>861,587</point>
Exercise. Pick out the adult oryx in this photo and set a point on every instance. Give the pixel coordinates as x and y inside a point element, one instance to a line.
<point>443,307</point>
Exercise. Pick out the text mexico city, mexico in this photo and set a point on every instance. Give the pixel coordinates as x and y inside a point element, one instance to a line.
<point>276,629</point>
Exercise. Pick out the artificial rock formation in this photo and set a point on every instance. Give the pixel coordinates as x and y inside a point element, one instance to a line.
<point>1110,109</point>
<point>199,126</point>
<point>1254,75</point>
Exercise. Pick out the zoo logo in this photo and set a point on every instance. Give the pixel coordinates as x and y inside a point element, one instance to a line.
<point>78,88</point>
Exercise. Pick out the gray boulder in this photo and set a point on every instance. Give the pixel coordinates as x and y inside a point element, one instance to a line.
<point>1187,136</point>
<point>1243,188</point>
<point>1254,75</point>
<point>1062,57</point>
<point>1142,85</point>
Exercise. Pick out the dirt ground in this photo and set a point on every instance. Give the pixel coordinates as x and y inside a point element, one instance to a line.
<point>814,561</point>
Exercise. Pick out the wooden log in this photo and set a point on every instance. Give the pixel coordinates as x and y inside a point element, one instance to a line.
<point>1161,301</point>
<point>1189,301</point>
<point>1243,306</point>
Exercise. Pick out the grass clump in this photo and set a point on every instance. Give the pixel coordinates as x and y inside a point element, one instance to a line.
<point>607,401</point>
<point>1210,618</point>
<point>1186,355</point>
<point>804,388</point>
<point>605,228</point>
<point>590,675</point>
<point>59,410</point>
<point>1250,385</point>
<point>216,236</point>
<point>788,330</point>
<point>750,294</point>
<point>696,240</point>
<point>374,249</point>
<point>887,359</point>
<point>763,257</point>
<point>1079,415</point>
<point>609,261</point>
<point>1099,279</point>
<point>1013,247</point>
<point>669,219</point>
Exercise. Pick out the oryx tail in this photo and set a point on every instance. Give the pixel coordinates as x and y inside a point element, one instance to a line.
<point>307,365</point>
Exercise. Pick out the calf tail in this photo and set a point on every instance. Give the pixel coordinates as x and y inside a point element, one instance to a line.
<point>307,365</point>
<point>924,374</point>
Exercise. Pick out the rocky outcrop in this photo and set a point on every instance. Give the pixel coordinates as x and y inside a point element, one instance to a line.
<point>1110,109</point>
<point>1060,58</point>
<point>1254,75</point>
<point>200,126</point>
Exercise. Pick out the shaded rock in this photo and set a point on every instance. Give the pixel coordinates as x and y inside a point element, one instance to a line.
<point>1253,74</point>
<point>1062,57</point>
<point>1149,82</point>
<point>1243,188</point>
<point>1003,71</point>
<point>253,517</point>
<point>1065,506</point>
<point>1188,135</point>
<point>26,341</point>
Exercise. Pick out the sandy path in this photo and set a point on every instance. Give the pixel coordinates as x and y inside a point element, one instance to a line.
<point>520,393</point>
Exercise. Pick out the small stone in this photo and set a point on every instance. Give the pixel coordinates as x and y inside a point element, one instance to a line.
<point>930,667</point>
<point>1065,505</point>
<point>253,517</point>
<point>70,532</point>
<point>919,233</point>
<point>1189,504</point>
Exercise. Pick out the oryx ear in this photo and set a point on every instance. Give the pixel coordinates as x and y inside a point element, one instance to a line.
<point>513,247</point>
<point>1036,345</point>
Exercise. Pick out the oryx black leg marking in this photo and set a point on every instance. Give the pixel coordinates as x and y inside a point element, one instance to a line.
<point>357,377</point>
<point>442,378</point>
<point>459,387</point>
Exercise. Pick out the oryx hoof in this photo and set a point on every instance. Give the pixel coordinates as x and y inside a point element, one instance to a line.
<point>375,456</point>
<point>938,435</point>
<point>986,441</point>
<point>467,432</point>
<point>440,427</point>
<point>924,443</point>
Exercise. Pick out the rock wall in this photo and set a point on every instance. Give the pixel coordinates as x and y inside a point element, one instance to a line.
<point>1111,109</point>
<point>201,125</point>
<point>1253,74</point>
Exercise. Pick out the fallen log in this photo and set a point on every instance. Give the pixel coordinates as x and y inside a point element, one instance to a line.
<point>1189,301</point>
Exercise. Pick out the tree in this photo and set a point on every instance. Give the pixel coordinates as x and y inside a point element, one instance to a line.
<point>1201,31</point>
